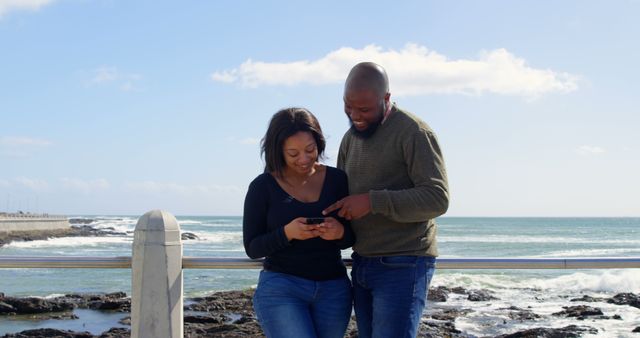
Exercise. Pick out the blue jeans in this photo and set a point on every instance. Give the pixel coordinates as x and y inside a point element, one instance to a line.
<point>390,293</point>
<point>290,306</point>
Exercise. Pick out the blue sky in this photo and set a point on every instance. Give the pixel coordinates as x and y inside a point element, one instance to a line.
<point>120,107</point>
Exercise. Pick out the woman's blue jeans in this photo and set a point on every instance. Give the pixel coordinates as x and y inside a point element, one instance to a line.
<point>290,306</point>
<point>390,293</point>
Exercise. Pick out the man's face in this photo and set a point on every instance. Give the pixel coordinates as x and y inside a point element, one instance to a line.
<point>365,111</point>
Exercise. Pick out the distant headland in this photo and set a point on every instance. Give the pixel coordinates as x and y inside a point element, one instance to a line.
<point>29,226</point>
<point>21,221</point>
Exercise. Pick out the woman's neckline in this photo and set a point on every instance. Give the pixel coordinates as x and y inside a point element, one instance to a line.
<point>322,171</point>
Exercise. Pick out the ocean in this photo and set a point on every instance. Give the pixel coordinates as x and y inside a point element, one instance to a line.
<point>541,291</point>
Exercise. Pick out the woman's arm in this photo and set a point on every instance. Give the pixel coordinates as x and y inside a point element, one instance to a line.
<point>258,240</point>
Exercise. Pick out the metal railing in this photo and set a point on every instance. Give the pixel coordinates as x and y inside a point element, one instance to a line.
<point>124,262</point>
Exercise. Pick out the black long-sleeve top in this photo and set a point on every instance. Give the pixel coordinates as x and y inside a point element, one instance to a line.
<point>268,208</point>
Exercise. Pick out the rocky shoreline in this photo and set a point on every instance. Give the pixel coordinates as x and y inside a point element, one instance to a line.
<point>80,227</point>
<point>230,314</point>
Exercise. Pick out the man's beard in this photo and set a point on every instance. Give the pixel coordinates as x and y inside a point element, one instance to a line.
<point>371,129</point>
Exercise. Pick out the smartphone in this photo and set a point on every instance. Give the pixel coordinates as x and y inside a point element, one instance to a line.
<point>315,220</point>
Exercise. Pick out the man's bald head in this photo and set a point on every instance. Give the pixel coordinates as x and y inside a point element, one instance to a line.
<point>368,76</point>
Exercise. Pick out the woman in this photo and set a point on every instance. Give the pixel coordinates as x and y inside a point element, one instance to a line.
<point>303,290</point>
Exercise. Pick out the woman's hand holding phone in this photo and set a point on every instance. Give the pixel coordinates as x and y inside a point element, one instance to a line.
<point>300,230</point>
<point>331,229</point>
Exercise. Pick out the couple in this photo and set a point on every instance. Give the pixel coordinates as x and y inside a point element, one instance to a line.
<point>382,200</point>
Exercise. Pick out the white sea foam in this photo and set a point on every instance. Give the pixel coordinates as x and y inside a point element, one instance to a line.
<point>533,239</point>
<point>188,221</point>
<point>222,224</point>
<point>608,281</point>
<point>543,296</point>
<point>118,225</point>
<point>74,242</point>
<point>605,281</point>
<point>220,237</point>
<point>592,253</point>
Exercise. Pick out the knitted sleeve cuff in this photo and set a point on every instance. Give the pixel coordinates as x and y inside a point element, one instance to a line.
<point>379,200</point>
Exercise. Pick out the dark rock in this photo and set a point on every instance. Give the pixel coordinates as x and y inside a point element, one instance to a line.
<point>448,314</point>
<point>625,299</point>
<point>8,237</point>
<point>438,329</point>
<point>587,299</point>
<point>49,333</point>
<point>120,305</point>
<point>244,319</point>
<point>116,301</point>
<point>580,311</point>
<point>116,332</point>
<point>73,231</point>
<point>438,294</point>
<point>6,308</point>
<point>89,231</point>
<point>565,332</point>
<point>637,329</point>
<point>188,235</point>
<point>125,321</point>
<point>459,290</point>
<point>30,305</point>
<point>204,319</point>
<point>118,294</point>
<point>480,296</point>
<point>230,301</point>
<point>517,313</point>
<point>220,306</point>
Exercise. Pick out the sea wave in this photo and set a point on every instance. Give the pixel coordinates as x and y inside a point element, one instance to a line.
<point>77,242</point>
<point>220,236</point>
<point>532,239</point>
<point>542,296</point>
<point>605,281</point>
<point>592,253</point>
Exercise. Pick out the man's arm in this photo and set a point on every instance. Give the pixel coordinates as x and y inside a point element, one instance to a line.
<point>429,198</point>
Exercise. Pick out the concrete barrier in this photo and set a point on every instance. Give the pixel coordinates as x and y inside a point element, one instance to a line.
<point>156,298</point>
<point>8,224</point>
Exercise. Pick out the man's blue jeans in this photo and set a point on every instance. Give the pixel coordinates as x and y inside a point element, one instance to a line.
<point>290,306</point>
<point>390,293</point>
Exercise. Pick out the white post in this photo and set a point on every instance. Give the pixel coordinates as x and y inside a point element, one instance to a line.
<point>156,298</point>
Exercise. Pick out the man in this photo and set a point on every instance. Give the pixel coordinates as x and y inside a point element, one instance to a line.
<point>398,185</point>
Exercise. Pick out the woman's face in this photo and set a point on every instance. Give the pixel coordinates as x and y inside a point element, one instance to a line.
<point>300,152</point>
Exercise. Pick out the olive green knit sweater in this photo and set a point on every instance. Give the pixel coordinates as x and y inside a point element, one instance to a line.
<point>402,169</point>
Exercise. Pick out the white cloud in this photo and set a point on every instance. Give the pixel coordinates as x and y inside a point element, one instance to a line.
<point>180,189</point>
<point>85,186</point>
<point>250,141</point>
<point>7,6</point>
<point>226,77</point>
<point>109,74</point>
<point>33,184</point>
<point>105,74</point>
<point>590,150</point>
<point>413,70</point>
<point>20,147</point>
<point>10,141</point>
